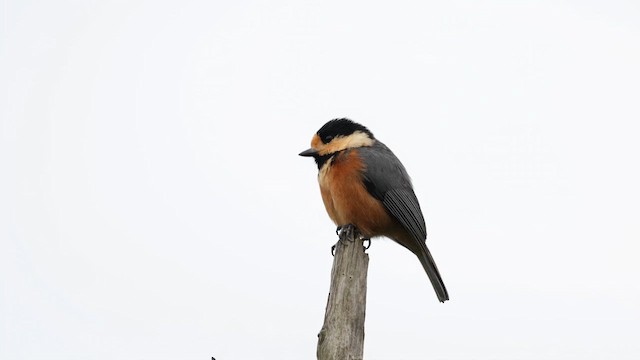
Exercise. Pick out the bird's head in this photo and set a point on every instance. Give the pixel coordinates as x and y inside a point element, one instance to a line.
<point>338,135</point>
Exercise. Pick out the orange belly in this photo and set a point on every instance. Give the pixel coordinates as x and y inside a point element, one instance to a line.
<point>347,200</point>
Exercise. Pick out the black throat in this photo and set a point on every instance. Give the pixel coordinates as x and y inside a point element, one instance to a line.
<point>322,159</point>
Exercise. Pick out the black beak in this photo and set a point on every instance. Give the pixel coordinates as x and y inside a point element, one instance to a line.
<point>309,152</point>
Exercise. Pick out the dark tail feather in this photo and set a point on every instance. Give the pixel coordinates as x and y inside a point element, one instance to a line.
<point>432,270</point>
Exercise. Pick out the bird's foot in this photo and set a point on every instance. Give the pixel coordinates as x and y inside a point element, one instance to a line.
<point>347,232</point>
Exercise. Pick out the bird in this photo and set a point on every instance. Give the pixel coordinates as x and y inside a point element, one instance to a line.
<point>363,184</point>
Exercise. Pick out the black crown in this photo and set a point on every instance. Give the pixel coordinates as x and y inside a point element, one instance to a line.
<point>341,127</point>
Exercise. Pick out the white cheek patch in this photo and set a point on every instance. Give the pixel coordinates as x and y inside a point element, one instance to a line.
<point>357,139</point>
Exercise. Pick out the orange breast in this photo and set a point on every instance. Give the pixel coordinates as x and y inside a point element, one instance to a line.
<point>346,198</point>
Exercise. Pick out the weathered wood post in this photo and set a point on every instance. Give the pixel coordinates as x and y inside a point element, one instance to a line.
<point>342,334</point>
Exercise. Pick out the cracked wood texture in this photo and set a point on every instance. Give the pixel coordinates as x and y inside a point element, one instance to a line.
<point>342,334</point>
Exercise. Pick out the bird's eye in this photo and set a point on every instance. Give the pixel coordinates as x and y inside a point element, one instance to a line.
<point>327,138</point>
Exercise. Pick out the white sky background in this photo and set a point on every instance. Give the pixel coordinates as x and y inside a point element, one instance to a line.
<point>153,206</point>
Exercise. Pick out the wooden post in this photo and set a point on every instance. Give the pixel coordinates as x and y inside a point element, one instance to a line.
<point>342,334</point>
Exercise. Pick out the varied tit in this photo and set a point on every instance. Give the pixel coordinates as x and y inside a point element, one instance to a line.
<point>365,185</point>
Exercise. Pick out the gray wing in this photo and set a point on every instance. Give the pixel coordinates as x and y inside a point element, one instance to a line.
<point>387,180</point>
